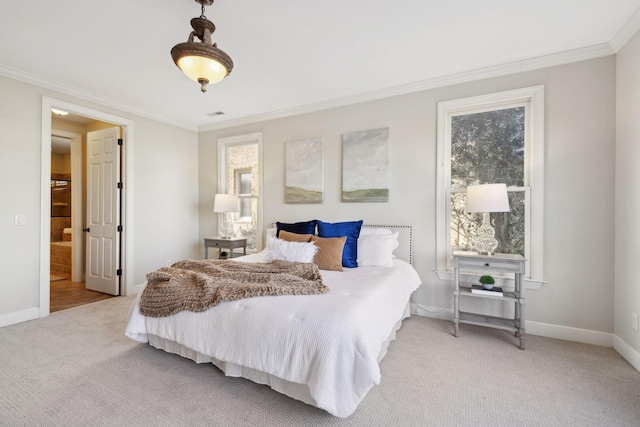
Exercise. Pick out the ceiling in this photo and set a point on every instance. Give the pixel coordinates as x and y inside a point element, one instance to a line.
<point>293,56</point>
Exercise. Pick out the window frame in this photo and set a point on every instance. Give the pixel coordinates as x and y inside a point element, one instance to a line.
<point>223,172</point>
<point>242,196</point>
<point>533,100</point>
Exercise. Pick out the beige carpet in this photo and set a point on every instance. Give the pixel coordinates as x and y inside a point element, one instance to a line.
<point>76,368</point>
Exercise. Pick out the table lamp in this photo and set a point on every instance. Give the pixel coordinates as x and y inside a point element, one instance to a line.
<point>484,199</point>
<point>226,204</point>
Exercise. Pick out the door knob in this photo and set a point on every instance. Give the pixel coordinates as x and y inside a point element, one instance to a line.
<point>86,230</point>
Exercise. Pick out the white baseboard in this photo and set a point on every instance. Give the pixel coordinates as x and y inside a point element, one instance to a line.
<point>138,288</point>
<point>34,313</point>
<point>547,330</point>
<point>567,333</point>
<point>19,316</point>
<point>626,351</point>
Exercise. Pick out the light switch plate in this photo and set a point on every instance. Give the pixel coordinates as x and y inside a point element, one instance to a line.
<point>20,219</point>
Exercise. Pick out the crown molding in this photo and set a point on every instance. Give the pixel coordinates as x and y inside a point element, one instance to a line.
<point>25,77</point>
<point>562,58</point>
<point>628,30</point>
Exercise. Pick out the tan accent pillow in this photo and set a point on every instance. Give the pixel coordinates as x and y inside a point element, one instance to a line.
<point>329,255</point>
<point>294,237</point>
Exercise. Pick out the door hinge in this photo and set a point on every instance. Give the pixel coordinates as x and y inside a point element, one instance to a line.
<point>119,141</point>
<point>119,229</point>
<point>119,272</point>
<point>120,186</point>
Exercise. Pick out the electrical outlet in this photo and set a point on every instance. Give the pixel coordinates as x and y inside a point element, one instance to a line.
<point>634,321</point>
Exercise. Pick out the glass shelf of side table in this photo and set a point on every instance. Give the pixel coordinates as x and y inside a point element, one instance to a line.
<point>483,264</point>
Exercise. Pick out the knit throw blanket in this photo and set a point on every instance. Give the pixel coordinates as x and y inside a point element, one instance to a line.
<point>200,285</point>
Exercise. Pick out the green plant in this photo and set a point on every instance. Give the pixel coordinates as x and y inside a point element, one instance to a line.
<point>224,254</point>
<point>486,280</point>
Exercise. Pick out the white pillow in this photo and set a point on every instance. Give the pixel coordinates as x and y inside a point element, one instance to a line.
<point>289,251</point>
<point>365,231</point>
<point>377,249</point>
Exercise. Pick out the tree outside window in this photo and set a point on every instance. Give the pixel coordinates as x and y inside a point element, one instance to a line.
<point>488,147</point>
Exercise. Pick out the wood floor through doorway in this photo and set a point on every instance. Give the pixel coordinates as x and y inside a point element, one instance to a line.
<point>67,294</point>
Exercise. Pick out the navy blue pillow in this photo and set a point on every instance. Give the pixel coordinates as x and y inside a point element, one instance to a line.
<point>307,227</point>
<point>351,229</point>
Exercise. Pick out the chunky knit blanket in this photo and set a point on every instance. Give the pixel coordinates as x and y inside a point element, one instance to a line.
<point>200,285</point>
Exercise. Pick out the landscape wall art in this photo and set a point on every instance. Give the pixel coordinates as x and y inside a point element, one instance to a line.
<point>365,166</point>
<point>304,171</point>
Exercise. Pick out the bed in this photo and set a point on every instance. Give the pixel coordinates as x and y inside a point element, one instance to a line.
<point>321,349</point>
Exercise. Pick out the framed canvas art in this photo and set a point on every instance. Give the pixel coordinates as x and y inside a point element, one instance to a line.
<point>365,166</point>
<point>304,171</point>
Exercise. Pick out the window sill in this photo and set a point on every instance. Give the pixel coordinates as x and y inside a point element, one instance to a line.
<point>501,280</point>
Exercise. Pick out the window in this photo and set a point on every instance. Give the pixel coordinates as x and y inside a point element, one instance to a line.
<point>239,173</point>
<point>245,192</point>
<point>495,138</point>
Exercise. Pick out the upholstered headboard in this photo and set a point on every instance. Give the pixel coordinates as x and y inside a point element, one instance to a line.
<point>405,239</point>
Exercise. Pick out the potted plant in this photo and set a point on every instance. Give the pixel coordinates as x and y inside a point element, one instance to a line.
<point>224,255</point>
<point>487,282</point>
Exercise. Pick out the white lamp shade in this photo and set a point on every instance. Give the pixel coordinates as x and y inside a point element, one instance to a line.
<point>487,198</point>
<point>225,203</point>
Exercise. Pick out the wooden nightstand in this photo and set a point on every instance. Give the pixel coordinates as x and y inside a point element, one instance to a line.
<point>484,264</point>
<point>222,243</point>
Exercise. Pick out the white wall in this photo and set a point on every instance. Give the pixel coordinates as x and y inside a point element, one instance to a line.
<point>165,196</point>
<point>19,194</point>
<point>175,178</point>
<point>627,219</point>
<point>579,178</point>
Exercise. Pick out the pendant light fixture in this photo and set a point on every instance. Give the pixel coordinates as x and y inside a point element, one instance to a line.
<point>202,61</point>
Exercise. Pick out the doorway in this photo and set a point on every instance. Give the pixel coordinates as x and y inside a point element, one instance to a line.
<point>66,164</point>
<point>68,286</point>
<point>82,121</point>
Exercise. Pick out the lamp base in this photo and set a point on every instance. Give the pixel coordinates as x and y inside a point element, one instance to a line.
<point>226,226</point>
<point>486,243</point>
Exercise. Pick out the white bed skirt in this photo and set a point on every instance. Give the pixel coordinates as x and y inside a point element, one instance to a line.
<point>297,391</point>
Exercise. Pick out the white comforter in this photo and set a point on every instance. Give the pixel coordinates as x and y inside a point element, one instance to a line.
<point>328,342</point>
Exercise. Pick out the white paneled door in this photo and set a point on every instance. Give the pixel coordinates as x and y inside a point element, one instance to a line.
<point>103,211</point>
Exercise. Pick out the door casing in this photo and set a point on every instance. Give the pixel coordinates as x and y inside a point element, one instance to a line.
<point>45,194</point>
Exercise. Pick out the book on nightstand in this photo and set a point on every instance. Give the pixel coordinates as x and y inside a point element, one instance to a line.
<point>494,292</point>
